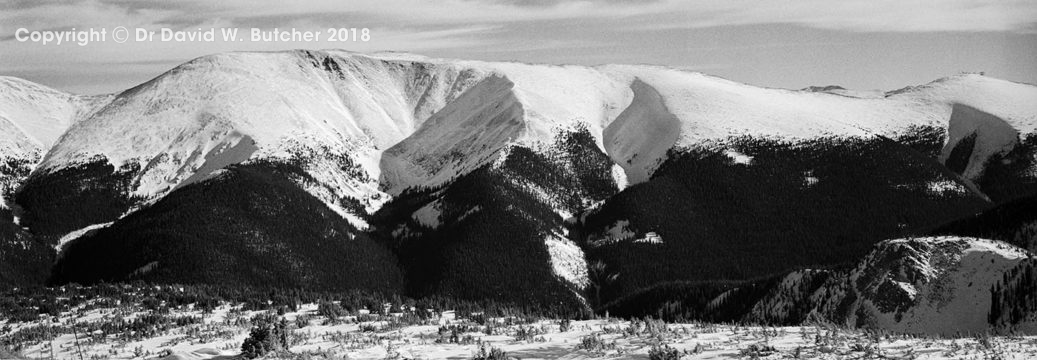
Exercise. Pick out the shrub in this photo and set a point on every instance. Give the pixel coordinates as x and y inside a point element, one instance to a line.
<point>528,333</point>
<point>758,350</point>
<point>492,353</point>
<point>267,335</point>
<point>664,352</point>
<point>330,310</point>
<point>594,344</point>
<point>565,325</point>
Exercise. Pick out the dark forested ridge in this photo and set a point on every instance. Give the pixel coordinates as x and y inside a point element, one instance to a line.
<point>75,197</point>
<point>818,203</point>
<point>494,221</point>
<point>23,259</point>
<point>249,225</point>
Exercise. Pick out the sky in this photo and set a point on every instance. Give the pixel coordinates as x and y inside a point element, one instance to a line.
<point>857,44</point>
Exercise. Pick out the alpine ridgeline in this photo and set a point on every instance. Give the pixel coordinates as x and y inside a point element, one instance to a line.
<point>560,187</point>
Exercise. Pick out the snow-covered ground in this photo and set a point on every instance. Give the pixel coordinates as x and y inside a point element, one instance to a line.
<point>221,333</point>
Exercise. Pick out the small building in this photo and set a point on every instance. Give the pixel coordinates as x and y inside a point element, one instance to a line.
<point>650,238</point>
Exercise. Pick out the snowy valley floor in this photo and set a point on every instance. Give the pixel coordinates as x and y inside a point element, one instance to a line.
<point>191,334</point>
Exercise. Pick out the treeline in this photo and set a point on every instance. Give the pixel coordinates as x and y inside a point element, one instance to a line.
<point>302,155</point>
<point>29,303</point>
<point>673,301</point>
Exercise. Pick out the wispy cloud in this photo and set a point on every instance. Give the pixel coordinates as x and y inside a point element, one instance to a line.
<point>849,15</point>
<point>870,16</point>
<point>591,30</point>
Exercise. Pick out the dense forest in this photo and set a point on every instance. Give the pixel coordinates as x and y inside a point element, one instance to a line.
<point>819,204</point>
<point>491,244</point>
<point>1014,298</point>
<point>75,197</point>
<point>233,230</point>
<point>1014,222</point>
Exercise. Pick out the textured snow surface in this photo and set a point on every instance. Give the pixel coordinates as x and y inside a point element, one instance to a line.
<point>567,260</point>
<point>38,115</point>
<point>222,332</point>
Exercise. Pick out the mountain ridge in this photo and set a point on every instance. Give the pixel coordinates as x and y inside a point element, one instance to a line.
<point>459,168</point>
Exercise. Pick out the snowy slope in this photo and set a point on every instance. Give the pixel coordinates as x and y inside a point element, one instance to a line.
<point>938,285</point>
<point>32,117</point>
<point>516,104</point>
<point>38,113</point>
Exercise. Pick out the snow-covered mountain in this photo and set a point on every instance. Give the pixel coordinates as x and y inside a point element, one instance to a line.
<point>522,166</point>
<point>334,114</point>
<point>227,108</point>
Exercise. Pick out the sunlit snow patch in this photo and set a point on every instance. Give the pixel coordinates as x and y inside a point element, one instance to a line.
<point>567,260</point>
<point>945,187</point>
<point>739,158</point>
<point>620,176</point>
<point>428,215</point>
<point>809,179</point>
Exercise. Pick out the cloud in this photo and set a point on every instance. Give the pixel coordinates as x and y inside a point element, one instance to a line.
<point>848,15</point>
<point>555,30</point>
<point>876,15</point>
